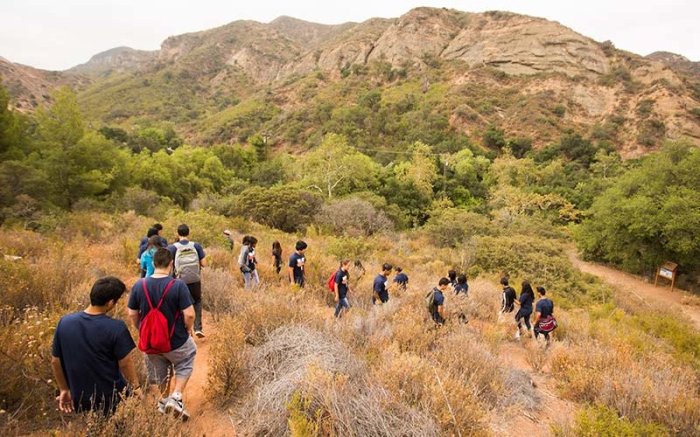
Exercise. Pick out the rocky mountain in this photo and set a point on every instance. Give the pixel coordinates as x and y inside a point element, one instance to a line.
<point>677,62</point>
<point>116,60</point>
<point>528,76</point>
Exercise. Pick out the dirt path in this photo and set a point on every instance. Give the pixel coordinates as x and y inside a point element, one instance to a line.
<point>205,419</point>
<point>647,293</point>
<point>552,411</point>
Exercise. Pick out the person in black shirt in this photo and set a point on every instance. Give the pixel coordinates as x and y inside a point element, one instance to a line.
<point>277,255</point>
<point>452,275</point>
<point>461,286</point>
<point>508,299</point>
<point>342,286</point>
<point>527,296</point>
<point>296,264</point>
<point>438,308</point>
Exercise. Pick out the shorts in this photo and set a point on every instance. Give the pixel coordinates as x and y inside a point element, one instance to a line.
<point>159,366</point>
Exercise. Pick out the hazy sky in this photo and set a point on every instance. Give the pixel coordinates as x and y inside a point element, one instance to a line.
<point>58,34</point>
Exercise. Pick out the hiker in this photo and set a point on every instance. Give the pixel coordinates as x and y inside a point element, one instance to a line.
<point>248,262</point>
<point>188,260</point>
<point>544,316</point>
<point>436,301</point>
<point>401,279</point>
<point>171,299</point>
<point>229,239</point>
<point>296,264</point>
<point>277,254</point>
<point>461,287</point>
<point>91,354</point>
<point>342,286</point>
<point>143,245</point>
<point>379,288</point>
<point>527,296</point>
<point>508,299</point>
<point>147,256</point>
<point>452,276</point>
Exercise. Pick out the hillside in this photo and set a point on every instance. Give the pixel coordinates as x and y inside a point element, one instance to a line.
<point>457,72</point>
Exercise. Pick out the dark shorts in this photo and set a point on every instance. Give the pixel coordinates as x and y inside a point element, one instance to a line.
<point>195,291</point>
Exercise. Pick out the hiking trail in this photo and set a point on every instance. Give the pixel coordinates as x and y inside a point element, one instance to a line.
<point>647,293</point>
<point>206,419</point>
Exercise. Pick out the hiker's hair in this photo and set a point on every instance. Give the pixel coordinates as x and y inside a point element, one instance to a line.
<point>183,230</point>
<point>153,241</point>
<point>301,245</point>
<point>452,275</point>
<point>398,269</point>
<point>443,281</point>
<point>276,248</point>
<point>527,288</point>
<point>345,262</point>
<point>106,289</point>
<point>162,258</point>
<point>151,232</point>
<point>504,281</point>
<point>245,240</point>
<point>387,267</point>
<point>462,279</point>
<point>252,241</point>
<point>541,291</point>
<point>158,227</point>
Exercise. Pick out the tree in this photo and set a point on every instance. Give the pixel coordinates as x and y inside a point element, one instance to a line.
<point>334,168</point>
<point>353,216</point>
<point>421,171</point>
<point>287,208</point>
<point>650,214</point>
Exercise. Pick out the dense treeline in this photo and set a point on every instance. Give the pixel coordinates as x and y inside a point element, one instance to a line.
<point>631,213</point>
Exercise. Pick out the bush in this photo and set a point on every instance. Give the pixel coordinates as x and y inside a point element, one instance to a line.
<point>353,216</point>
<point>453,227</point>
<point>227,360</point>
<point>287,208</point>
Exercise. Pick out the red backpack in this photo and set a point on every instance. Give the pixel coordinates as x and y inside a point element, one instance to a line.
<point>154,335</point>
<point>331,282</point>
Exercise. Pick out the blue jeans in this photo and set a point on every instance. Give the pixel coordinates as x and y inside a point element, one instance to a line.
<point>341,303</point>
<point>251,279</point>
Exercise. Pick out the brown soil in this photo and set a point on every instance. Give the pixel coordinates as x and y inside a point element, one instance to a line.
<point>647,293</point>
<point>206,419</point>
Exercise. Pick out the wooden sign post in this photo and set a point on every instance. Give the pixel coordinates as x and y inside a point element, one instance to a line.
<point>668,271</point>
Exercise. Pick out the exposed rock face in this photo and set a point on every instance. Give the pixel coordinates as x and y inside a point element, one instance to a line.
<point>677,63</point>
<point>117,60</point>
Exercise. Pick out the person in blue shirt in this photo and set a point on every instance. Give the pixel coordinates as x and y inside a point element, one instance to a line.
<point>461,285</point>
<point>147,255</point>
<point>380,290</point>
<point>438,310</point>
<point>544,316</point>
<point>342,286</point>
<point>91,354</point>
<point>527,296</point>
<point>296,264</point>
<point>401,279</point>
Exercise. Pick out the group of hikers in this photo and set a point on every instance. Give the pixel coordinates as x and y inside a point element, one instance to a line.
<point>92,358</point>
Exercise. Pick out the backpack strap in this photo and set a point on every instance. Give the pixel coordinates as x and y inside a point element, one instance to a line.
<point>165,292</point>
<point>145,292</point>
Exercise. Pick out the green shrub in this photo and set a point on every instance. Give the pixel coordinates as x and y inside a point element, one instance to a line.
<point>601,421</point>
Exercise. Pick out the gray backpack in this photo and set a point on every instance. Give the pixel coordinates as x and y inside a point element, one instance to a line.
<point>187,263</point>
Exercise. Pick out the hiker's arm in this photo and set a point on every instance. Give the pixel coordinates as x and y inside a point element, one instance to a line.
<point>291,274</point>
<point>128,369</point>
<point>337,295</point>
<point>65,403</point>
<point>537,318</point>
<point>203,262</point>
<point>188,317</point>
<point>134,317</point>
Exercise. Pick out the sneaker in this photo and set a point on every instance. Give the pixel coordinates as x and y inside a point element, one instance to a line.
<point>161,405</point>
<point>199,334</point>
<point>177,408</point>
<point>517,334</point>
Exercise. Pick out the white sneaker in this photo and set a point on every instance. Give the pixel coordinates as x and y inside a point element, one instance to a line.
<point>517,334</point>
<point>161,405</point>
<point>177,408</point>
<point>199,334</point>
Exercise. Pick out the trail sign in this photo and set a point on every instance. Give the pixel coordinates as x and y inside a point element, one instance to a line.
<point>667,270</point>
